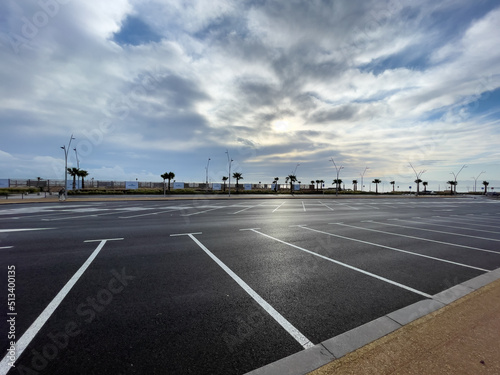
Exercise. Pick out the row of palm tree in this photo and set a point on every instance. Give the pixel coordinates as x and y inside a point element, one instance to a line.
<point>76,172</point>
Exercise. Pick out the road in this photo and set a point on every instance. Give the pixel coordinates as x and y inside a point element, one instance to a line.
<point>223,286</point>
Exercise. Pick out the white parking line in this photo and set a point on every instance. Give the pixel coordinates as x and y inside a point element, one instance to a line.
<point>279,206</point>
<point>294,332</point>
<point>346,265</point>
<point>438,231</point>
<point>148,214</point>
<point>31,332</point>
<point>467,221</point>
<point>22,230</point>
<point>448,226</point>
<point>237,212</point>
<point>202,212</point>
<point>303,206</point>
<point>421,238</point>
<point>326,206</point>
<point>6,247</point>
<point>77,217</point>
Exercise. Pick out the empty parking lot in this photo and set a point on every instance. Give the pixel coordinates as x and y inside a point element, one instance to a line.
<point>225,286</point>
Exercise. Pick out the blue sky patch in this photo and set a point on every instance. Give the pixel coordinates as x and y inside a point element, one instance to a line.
<point>134,31</point>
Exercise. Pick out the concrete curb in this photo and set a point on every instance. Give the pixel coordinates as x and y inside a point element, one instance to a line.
<point>329,350</point>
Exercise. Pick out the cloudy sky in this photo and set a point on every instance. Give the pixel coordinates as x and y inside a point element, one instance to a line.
<point>148,87</point>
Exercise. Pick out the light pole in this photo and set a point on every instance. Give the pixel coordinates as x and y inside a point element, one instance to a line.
<point>338,172</point>
<point>295,170</point>
<point>208,162</point>
<point>362,175</point>
<point>417,175</point>
<point>77,166</point>
<point>456,175</point>
<point>229,161</point>
<point>475,180</point>
<point>66,149</point>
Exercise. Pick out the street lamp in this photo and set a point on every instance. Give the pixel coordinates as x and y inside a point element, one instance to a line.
<point>338,172</point>
<point>456,175</point>
<point>362,175</point>
<point>475,180</point>
<point>66,149</point>
<point>295,170</point>
<point>417,175</point>
<point>77,166</point>
<point>229,161</point>
<point>208,162</point>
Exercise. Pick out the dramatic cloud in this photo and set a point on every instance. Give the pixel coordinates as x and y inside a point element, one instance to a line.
<point>153,86</point>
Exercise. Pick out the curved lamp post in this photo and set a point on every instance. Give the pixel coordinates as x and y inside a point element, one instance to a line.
<point>66,149</point>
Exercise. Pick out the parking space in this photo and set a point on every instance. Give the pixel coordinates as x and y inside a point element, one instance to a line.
<point>226,286</point>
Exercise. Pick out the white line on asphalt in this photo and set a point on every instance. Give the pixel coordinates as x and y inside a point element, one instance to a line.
<point>429,240</point>
<point>31,332</point>
<point>202,212</point>
<point>303,206</point>
<point>294,332</point>
<point>148,214</point>
<point>6,247</point>
<point>279,206</point>
<point>249,229</point>
<point>439,231</point>
<point>455,217</point>
<point>77,217</point>
<point>326,206</point>
<point>106,239</point>
<point>22,230</point>
<point>346,265</point>
<point>448,226</point>
<point>184,234</point>
<point>393,248</point>
<point>237,212</point>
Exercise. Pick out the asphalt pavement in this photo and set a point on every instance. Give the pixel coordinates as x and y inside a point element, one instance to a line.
<point>230,286</point>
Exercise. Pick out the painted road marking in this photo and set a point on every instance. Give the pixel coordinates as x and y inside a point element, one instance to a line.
<point>202,212</point>
<point>6,247</point>
<point>22,230</point>
<point>77,217</point>
<point>279,206</point>
<point>424,239</point>
<point>326,206</point>
<point>31,332</point>
<point>107,239</point>
<point>439,231</point>
<point>148,214</point>
<point>449,226</point>
<point>346,265</point>
<point>237,212</point>
<point>303,206</point>
<point>393,248</point>
<point>294,332</point>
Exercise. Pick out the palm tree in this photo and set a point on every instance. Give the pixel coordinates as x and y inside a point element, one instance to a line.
<point>170,176</point>
<point>418,181</point>
<point>312,183</point>
<point>376,182</point>
<point>73,173</point>
<point>164,176</point>
<point>276,183</point>
<point>393,183</point>
<point>317,184</point>
<point>224,179</point>
<point>337,183</point>
<point>321,182</point>
<point>355,184</point>
<point>238,176</point>
<point>485,183</point>
<point>83,173</point>
<point>292,179</point>
<point>425,183</point>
